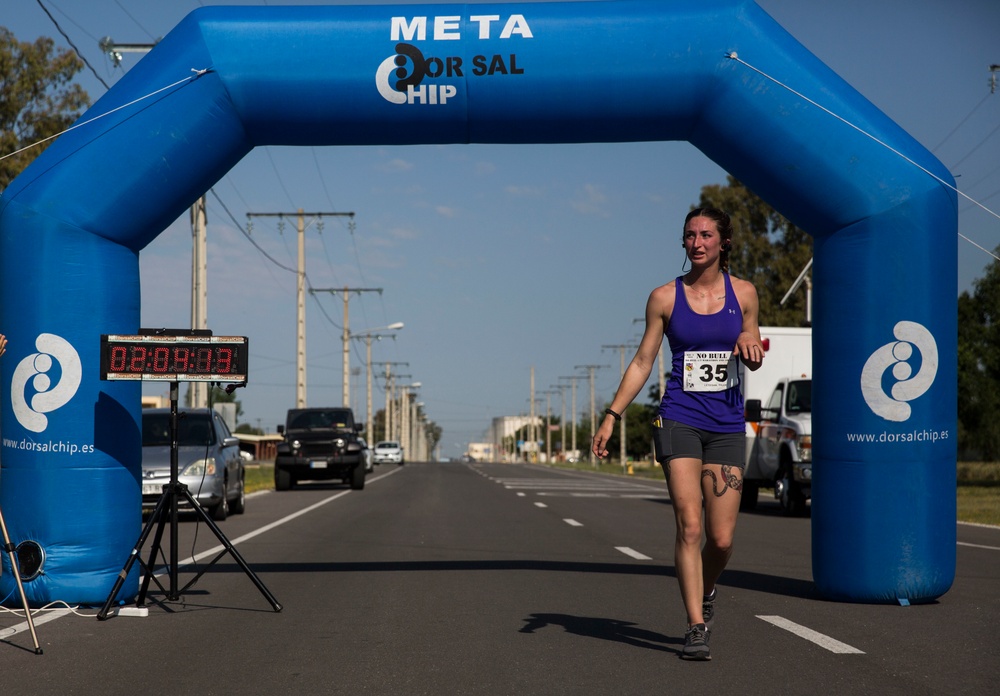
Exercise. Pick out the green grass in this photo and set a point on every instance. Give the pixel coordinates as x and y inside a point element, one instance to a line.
<point>259,477</point>
<point>979,492</point>
<point>978,484</point>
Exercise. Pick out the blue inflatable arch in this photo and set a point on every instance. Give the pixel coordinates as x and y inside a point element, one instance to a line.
<point>884,230</point>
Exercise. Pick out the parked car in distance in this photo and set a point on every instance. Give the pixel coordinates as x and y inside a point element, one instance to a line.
<point>388,452</point>
<point>208,460</point>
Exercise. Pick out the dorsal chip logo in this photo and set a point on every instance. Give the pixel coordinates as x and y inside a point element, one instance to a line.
<point>35,373</point>
<point>892,403</point>
<point>409,76</point>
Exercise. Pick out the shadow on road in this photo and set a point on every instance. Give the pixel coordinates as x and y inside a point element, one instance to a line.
<point>605,629</point>
<point>759,582</point>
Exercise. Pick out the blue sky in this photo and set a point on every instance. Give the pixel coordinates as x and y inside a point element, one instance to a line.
<point>503,258</point>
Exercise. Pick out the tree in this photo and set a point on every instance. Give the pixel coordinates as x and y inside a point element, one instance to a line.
<point>37,98</point>
<point>639,435</point>
<point>768,250</point>
<point>979,368</point>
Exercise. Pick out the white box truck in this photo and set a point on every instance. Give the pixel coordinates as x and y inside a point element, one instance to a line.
<point>778,402</point>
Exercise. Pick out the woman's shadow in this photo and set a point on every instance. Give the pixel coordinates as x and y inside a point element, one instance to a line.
<point>605,629</point>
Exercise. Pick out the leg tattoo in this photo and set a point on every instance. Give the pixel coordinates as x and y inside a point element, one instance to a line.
<point>729,480</point>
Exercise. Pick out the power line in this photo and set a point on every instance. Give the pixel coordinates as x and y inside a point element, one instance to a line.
<point>72,45</point>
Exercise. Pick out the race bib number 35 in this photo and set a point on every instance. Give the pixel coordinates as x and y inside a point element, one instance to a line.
<point>709,371</point>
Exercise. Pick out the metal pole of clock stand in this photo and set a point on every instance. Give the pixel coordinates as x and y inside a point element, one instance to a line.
<point>169,499</point>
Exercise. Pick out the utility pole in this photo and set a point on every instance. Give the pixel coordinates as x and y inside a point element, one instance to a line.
<point>346,293</point>
<point>531,418</point>
<point>593,412</point>
<point>548,425</point>
<point>622,429</point>
<point>561,388</point>
<point>993,77</point>
<point>368,336</point>
<point>397,408</point>
<point>300,294</point>
<point>573,379</point>
<point>389,377</point>
<point>198,391</point>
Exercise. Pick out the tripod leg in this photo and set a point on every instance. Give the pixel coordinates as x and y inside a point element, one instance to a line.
<point>155,517</point>
<point>16,569</point>
<point>231,549</point>
<point>153,549</point>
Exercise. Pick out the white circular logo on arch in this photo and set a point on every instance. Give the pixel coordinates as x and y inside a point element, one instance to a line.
<point>896,355</point>
<point>35,370</point>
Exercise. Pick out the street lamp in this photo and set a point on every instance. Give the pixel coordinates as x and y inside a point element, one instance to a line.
<point>368,335</point>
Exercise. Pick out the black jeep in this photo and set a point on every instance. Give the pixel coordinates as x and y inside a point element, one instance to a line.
<point>320,444</point>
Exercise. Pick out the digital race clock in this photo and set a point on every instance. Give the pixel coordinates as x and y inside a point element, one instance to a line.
<point>158,356</point>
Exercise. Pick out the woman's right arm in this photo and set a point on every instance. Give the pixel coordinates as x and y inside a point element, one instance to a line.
<point>658,309</point>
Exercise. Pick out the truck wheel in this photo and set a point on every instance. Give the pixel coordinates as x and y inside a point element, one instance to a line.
<point>358,478</point>
<point>282,479</point>
<point>748,501</point>
<point>793,502</point>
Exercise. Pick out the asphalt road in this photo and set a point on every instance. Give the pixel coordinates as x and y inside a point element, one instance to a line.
<point>505,579</point>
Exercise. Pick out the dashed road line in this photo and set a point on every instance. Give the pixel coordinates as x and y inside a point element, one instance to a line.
<point>823,641</point>
<point>633,553</point>
<point>582,488</point>
<point>572,522</point>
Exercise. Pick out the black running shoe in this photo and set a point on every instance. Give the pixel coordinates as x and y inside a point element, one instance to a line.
<point>696,643</point>
<point>708,607</point>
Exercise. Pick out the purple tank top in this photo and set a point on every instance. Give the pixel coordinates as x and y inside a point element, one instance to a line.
<point>715,411</point>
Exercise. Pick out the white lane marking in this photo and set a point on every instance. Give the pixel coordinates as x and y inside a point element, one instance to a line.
<point>572,523</point>
<point>19,628</point>
<point>37,620</point>
<point>521,494</point>
<point>633,553</point>
<point>823,641</point>
<point>979,546</point>
<point>541,505</point>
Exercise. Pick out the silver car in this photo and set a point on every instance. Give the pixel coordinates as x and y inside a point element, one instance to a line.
<point>208,460</point>
<point>388,452</point>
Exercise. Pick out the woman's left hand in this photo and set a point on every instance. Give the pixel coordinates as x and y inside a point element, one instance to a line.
<point>749,349</point>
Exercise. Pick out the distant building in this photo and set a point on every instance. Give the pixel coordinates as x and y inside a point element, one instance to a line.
<point>480,451</point>
<point>506,427</point>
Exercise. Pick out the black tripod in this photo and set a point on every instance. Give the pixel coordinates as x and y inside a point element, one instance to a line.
<point>168,502</point>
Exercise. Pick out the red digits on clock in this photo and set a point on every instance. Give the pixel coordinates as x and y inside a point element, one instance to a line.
<point>224,361</point>
<point>181,357</point>
<point>138,362</point>
<point>161,359</point>
<point>117,361</point>
<point>204,365</point>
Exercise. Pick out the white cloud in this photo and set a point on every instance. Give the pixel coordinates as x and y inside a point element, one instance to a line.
<point>591,201</point>
<point>396,165</point>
